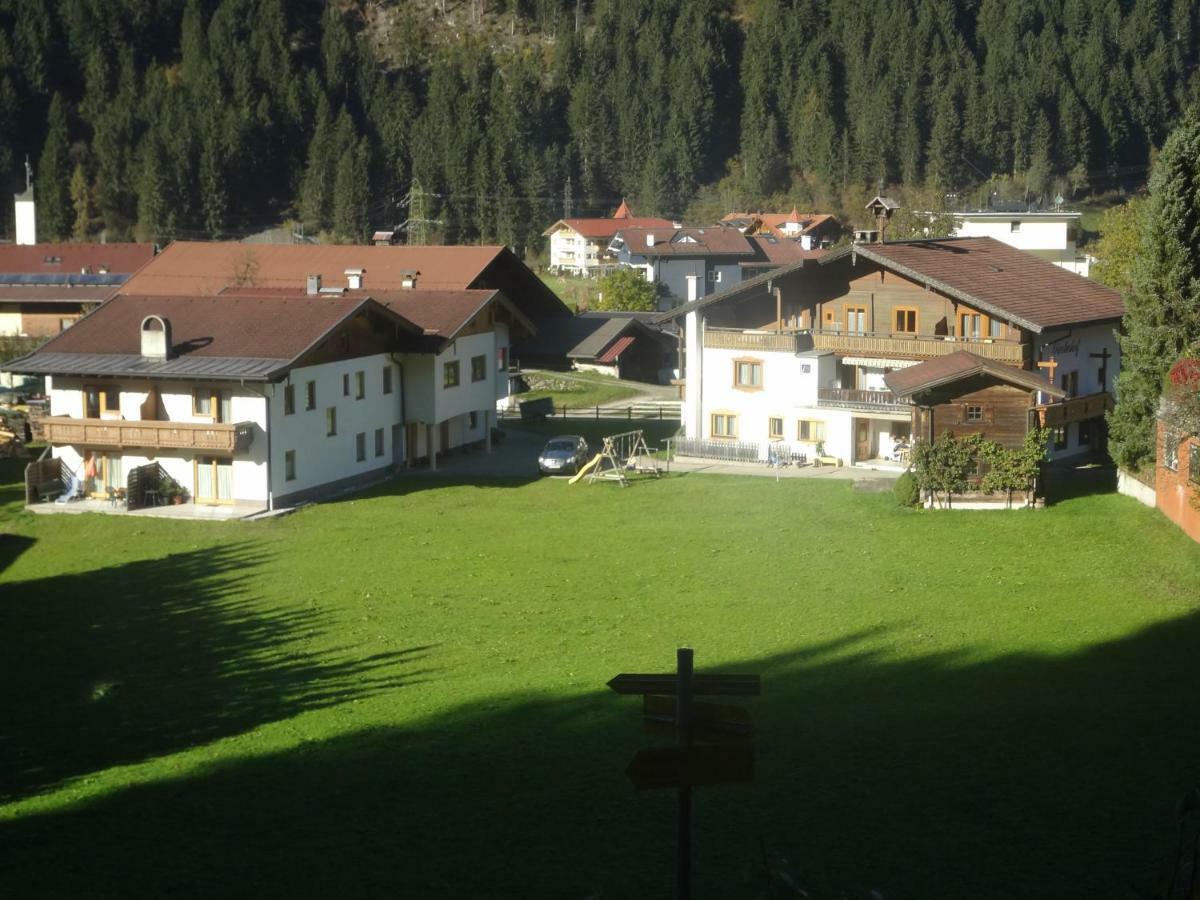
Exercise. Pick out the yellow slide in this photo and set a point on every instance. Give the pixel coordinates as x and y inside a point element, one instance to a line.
<point>587,468</point>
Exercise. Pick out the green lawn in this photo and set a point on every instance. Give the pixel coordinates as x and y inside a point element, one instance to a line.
<point>572,290</point>
<point>403,694</point>
<point>590,390</point>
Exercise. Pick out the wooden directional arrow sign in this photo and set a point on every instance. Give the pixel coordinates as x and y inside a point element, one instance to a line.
<point>712,685</point>
<point>672,767</point>
<point>705,716</point>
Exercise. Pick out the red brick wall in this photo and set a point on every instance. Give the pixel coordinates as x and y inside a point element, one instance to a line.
<point>1177,496</point>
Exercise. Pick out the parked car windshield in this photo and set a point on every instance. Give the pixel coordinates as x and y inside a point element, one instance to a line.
<point>568,446</point>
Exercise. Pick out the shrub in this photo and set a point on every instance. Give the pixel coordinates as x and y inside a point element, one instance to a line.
<point>906,490</point>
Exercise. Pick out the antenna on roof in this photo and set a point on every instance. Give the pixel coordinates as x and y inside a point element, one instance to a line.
<point>28,173</point>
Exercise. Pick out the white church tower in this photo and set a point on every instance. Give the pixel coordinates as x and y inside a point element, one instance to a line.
<point>26,216</point>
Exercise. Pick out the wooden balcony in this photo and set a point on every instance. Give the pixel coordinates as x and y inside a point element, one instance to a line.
<point>1074,409</point>
<point>736,339</point>
<point>883,346</point>
<point>119,434</point>
<point>868,401</point>
<point>915,346</point>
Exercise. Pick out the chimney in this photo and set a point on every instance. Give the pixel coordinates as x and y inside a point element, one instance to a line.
<point>649,240</point>
<point>408,279</point>
<point>313,285</point>
<point>354,278</point>
<point>156,338</point>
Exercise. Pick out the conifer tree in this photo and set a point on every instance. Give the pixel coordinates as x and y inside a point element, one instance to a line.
<point>1162,315</point>
<point>81,203</point>
<point>53,189</point>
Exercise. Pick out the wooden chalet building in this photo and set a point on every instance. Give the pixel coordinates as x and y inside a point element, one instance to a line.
<point>966,394</point>
<point>799,355</point>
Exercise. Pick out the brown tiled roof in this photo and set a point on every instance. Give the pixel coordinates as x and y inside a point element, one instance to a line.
<point>55,293</point>
<point>604,229</point>
<point>228,327</point>
<point>996,278</point>
<point>774,222</point>
<point>716,240</point>
<point>441,313</point>
<point>74,258</point>
<point>205,269</point>
<point>772,251</point>
<point>958,365</point>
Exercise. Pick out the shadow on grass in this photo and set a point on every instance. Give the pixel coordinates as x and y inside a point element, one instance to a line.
<point>11,548</point>
<point>125,663</point>
<point>940,776</point>
<point>1074,482</point>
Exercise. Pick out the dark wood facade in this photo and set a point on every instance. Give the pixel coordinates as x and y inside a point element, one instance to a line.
<point>855,299</point>
<point>979,405</point>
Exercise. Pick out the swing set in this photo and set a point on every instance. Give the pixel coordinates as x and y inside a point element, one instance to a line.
<point>622,455</point>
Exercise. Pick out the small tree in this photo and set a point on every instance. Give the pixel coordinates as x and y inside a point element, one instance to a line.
<point>1014,470</point>
<point>946,464</point>
<point>627,290</point>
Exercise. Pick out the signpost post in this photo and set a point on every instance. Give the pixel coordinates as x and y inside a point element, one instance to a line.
<point>688,764</point>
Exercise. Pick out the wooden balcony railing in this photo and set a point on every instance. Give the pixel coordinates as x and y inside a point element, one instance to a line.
<point>852,398</point>
<point>1074,409</point>
<point>120,433</point>
<point>916,347</point>
<point>735,339</point>
<point>866,344</point>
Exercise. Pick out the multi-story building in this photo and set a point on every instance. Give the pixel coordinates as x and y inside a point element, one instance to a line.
<point>279,388</point>
<point>719,256</point>
<point>796,358</point>
<point>579,246</point>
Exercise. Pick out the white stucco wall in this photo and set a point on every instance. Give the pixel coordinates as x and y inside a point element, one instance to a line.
<point>570,250</point>
<point>1071,348</point>
<point>1046,235</point>
<point>249,467</point>
<point>322,458</point>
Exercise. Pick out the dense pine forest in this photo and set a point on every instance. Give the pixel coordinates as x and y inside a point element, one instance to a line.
<point>484,120</point>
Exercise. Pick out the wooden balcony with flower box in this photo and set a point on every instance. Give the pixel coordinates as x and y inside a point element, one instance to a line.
<point>1074,409</point>
<point>119,434</point>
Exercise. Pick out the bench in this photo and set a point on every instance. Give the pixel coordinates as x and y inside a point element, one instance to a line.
<point>536,410</point>
<point>48,490</point>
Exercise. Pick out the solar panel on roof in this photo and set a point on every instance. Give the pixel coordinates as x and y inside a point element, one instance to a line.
<point>109,278</point>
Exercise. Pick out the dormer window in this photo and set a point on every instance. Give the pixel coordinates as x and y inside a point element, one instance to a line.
<point>354,279</point>
<point>156,337</point>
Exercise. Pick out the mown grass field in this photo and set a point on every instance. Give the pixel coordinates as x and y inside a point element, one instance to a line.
<point>402,694</point>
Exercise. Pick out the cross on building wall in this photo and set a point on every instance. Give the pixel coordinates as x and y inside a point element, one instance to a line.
<point>1104,356</point>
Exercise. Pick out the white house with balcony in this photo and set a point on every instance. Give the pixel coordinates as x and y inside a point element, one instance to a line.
<point>793,362</point>
<point>261,398</point>
<point>580,246</point>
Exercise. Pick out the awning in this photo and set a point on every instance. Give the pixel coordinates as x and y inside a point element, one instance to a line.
<point>876,363</point>
<point>615,349</point>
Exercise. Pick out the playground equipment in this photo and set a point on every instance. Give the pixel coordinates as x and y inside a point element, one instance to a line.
<point>621,455</point>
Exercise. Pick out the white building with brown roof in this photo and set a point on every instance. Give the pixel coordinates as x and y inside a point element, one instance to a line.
<point>796,359</point>
<point>281,383</point>
<point>579,246</point>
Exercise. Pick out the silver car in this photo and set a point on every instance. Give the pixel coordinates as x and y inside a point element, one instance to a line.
<point>563,455</point>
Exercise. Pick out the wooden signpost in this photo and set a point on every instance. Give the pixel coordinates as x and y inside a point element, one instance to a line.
<point>668,699</point>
